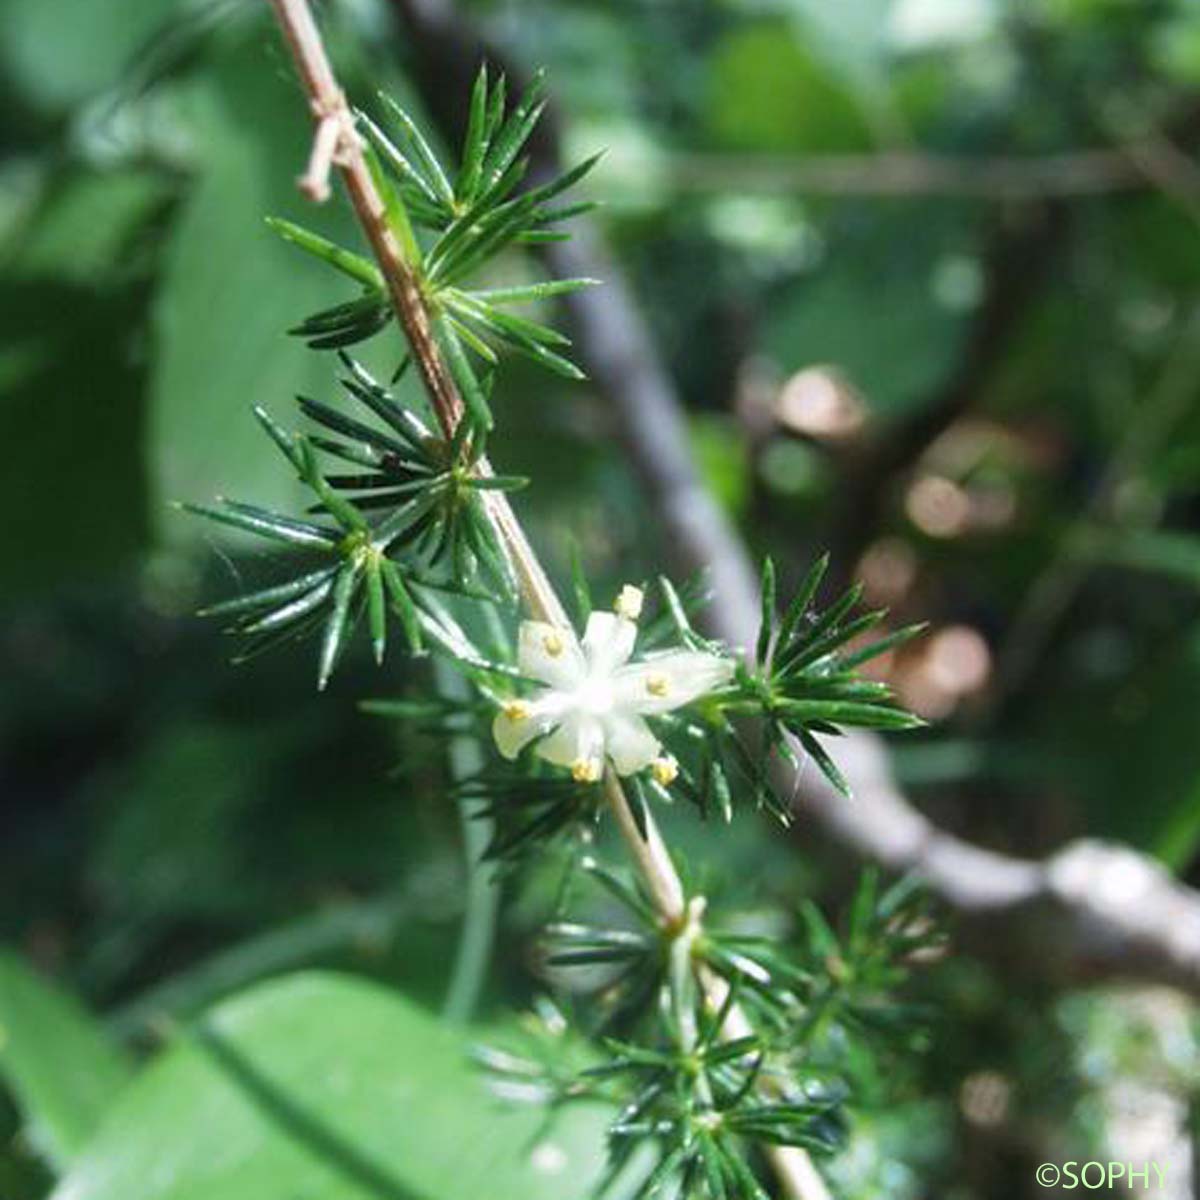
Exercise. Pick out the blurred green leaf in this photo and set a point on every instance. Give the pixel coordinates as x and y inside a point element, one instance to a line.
<point>71,397</point>
<point>228,289</point>
<point>873,310</point>
<point>60,52</point>
<point>176,843</point>
<point>852,39</point>
<point>85,225</point>
<point>768,92</point>
<point>324,1085</point>
<point>58,1061</point>
<point>1127,745</point>
<point>720,450</point>
<point>1175,48</point>
<point>1165,552</point>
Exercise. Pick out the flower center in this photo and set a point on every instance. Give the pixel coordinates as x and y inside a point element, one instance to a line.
<point>657,684</point>
<point>594,696</point>
<point>665,769</point>
<point>586,770</point>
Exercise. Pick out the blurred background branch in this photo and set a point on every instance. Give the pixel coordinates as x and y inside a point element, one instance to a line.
<point>1090,910</point>
<point>891,173</point>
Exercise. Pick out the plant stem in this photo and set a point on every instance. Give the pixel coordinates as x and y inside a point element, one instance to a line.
<point>329,107</point>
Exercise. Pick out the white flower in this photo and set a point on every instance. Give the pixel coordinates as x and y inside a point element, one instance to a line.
<point>595,701</point>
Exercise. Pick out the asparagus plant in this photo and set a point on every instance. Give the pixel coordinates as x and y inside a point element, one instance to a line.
<point>721,1052</point>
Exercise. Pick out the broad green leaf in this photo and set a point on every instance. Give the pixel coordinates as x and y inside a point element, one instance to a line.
<point>327,1087</point>
<point>57,1060</point>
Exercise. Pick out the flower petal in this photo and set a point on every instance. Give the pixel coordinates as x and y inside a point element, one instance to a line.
<point>578,739</point>
<point>519,722</point>
<point>629,743</point>
<point>549,654</point>
<point>608,642</point>
<point>667,681</point>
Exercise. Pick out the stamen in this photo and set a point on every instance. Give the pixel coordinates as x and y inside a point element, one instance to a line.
<point>516,710</point>
<point>585,770</point>
<point>657,684</point>
<point>629,603</point>
<point>552,643</point>
<point>665,769</point>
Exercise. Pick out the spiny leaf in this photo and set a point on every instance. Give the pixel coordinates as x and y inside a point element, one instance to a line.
<point>402,604</point>
<point>266,524</point>
<point>284,440</point>
<point>530,293</point>
<point>515,131</point>
<point>340,423</point>
<point>428,161</point>
<point>828,767</point>
<point>266,597</point>
<point>476,140</point>
<point>803,598</point>
<point>293,610</point>
<point>395,212</point>
<point>464,377</point>
<point>871,716</point>
<point>428,204</point>
<point>349,263</point>
<point>768,611</point>
<point>376,615</point>
<point>337,626</point>
<point>345,513</point>
<point>819,647</point>
<point>883,645</point>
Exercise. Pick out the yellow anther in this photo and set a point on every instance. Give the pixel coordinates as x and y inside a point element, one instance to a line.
<point>517,710</point>
<point>657,684</point>
<point>552,643</point>
<point>629,603</point>
<point>665,769</point>
<point>585,770</point>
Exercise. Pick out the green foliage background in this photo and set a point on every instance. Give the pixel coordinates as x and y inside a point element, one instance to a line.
<point>177,830</point>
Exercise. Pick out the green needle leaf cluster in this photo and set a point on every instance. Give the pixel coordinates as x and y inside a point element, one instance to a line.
<point>408,520</point>
<point>676,1078</point>
<point>806,681</point>
<point>452,223</point>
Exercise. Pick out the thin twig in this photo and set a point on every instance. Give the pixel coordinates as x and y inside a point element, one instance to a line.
<point>314,183</point>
